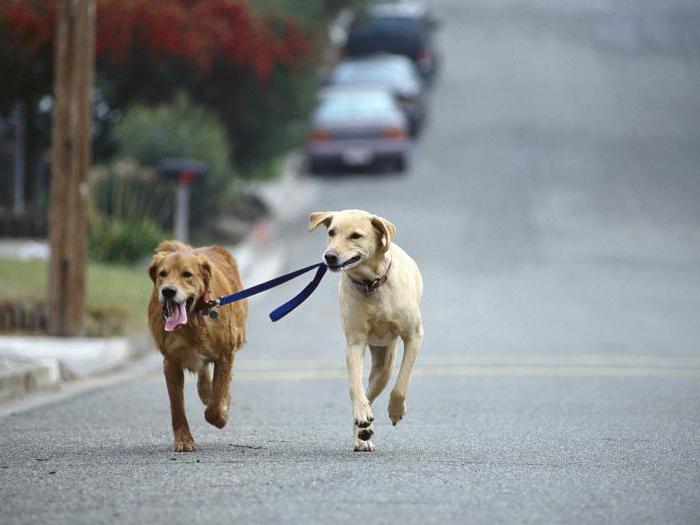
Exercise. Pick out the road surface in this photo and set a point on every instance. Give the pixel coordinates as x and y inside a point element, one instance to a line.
<point>553,208</point>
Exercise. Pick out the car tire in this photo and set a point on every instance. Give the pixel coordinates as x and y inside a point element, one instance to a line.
<point>317,166</point>
<point>398,163</point>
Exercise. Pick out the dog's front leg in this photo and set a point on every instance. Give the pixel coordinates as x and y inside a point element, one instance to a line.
<point>217,409</point>
<point>397,398</point>
<point>175,379</point>
<point>361,409</point>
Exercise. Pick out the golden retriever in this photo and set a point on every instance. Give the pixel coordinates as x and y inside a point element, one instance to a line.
<point>379,292</point>
<point>183,277</point>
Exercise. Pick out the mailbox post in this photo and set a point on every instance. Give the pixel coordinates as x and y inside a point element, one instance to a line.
<point>184,173</point>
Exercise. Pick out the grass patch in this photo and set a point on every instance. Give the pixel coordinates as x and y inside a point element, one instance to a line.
<point>120,292</point>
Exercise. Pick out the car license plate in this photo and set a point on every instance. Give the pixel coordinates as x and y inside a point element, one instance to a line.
<point>357,156</point>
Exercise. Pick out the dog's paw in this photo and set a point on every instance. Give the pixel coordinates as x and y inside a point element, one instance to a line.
<point>364,434</point>
<point>397,408</point>
<point>216,417</point>
<point>184,443</point>
<point>362,414</point>
<point>363,446</point>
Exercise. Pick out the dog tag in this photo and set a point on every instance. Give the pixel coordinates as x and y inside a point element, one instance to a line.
<point>213,314</point>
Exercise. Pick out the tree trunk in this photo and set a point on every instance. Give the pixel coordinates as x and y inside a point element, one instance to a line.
<point>72,121</point>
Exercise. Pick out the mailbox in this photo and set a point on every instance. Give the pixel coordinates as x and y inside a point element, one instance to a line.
<point>183,172</point>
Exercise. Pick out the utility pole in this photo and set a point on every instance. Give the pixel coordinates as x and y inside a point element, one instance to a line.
<point>72,122</point>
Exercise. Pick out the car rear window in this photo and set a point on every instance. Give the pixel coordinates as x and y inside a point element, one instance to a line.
<point>401,36</point>
<point>383,72</point>
<point>355,104</point>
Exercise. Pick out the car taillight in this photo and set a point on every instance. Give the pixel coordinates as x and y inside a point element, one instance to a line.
<point>393,133</point>
<point>423,55</point>
<point>319,135</point>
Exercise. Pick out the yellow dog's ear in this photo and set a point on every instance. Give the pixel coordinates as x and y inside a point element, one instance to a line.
<point>319,217</point>
<point>153,267</point>
<point>386,229</point>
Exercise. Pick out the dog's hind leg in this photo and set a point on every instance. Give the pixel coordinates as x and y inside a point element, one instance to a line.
<point>379,375</point>
<point>397,399</point>
<point>204,384</point>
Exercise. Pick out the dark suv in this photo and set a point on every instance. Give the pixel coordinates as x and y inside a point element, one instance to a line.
<point>386,28</point>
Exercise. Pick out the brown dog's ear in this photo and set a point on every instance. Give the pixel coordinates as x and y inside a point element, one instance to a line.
<point>386,229</point>
<point>205,269</point>
<point>153,267</point>
<point>319,217</point>
<point>170,246</point>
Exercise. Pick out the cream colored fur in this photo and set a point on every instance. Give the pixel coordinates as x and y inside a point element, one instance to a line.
<point>379,319</point>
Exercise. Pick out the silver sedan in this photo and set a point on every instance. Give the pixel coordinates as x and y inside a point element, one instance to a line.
<point>357,127</point>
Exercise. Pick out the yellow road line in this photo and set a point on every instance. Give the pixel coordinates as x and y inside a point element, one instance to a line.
<point>479,371</point>
<point>485,360</point>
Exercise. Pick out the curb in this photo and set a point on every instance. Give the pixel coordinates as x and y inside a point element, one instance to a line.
<point>19,376</point>
<point>31,364</point>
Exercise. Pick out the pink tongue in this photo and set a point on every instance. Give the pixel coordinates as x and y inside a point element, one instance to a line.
<point>178,317</point>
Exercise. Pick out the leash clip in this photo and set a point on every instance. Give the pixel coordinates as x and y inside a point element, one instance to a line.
<point>208,309</point>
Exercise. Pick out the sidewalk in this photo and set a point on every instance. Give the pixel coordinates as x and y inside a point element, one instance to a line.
<point>34,363</point>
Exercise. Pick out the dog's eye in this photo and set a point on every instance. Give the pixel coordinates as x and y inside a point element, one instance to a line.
<point>356,236</point>
<point>331,233</point>
<point>187,275</point>
<point>163,273</point>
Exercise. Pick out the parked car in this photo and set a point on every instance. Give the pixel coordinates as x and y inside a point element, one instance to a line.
<point>392,72</point>
<point>405,9</point>
<point>357,126</point>
<point>403,28</point>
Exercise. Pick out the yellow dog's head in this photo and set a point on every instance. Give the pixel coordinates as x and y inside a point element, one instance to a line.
<point>354,236</point>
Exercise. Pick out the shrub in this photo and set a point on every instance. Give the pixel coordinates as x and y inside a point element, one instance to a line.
<point>123,241</point>
<point>127,211</point>
<point>181,130</point>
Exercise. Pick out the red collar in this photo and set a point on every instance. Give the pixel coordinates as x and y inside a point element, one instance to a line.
<point>367,287</point>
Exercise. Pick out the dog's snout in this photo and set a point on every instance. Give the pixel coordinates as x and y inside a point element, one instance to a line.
<point>168,291</point>
<point>331,257</point>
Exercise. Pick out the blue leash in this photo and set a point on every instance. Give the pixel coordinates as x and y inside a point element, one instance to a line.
<point>279,312</point>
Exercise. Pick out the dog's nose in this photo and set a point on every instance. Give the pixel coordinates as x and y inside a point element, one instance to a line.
<point>331,257</point>
<point>168,291</point>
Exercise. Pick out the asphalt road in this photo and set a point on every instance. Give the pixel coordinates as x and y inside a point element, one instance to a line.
<point>553,207</point>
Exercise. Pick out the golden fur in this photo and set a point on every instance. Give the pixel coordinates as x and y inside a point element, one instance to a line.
<point>192,272</point>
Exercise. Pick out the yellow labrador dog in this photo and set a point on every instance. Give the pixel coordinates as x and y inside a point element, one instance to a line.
<point>380,291</point>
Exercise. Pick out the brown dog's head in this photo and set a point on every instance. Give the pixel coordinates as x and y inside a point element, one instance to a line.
<point>180,277</point>
<point>354,236</point>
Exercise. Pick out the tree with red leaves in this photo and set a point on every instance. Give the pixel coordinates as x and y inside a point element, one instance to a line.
<point>219,51</point>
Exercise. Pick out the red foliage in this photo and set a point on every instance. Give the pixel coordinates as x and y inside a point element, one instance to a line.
<point>28,26</point>
<point>198,32</point>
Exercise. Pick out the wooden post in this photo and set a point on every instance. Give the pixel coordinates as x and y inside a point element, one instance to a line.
<point>72,122</point>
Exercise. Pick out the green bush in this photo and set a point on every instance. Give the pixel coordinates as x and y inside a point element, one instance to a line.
<point>181,130</point>
<point>129,191</point>
<point>123,241</point>
<point>128,209</point>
